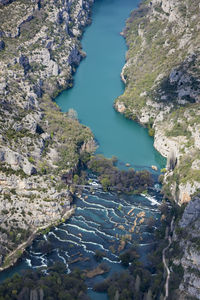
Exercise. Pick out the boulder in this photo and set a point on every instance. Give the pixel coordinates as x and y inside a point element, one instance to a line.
<point>120,107</point>
<point>16,161</point>
<point>154,168</point>
<point>17,126</point>
<point>28,168</point>
<point>3,86</point>
<point>174,76</point>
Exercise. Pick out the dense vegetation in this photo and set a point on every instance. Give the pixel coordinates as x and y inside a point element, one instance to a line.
<point>116,180</point>
<point>35,285</point>
<point>67,133</point>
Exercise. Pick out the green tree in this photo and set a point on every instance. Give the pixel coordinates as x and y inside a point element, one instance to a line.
<point>76,179</point>
<point>105,181</point>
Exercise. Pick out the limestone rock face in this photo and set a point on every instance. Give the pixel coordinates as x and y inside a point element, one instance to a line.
<point>31,121</point>
<point>34,295</point>
<point>191,213</point>
<point>190,258</point>
<point>16,161</point>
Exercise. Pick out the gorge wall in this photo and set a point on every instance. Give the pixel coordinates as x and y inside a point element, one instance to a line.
<point>39,51</point>
<point>162,86</point>
<point>162,81</point>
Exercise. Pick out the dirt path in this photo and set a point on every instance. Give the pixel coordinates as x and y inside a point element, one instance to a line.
<point>168,235</point>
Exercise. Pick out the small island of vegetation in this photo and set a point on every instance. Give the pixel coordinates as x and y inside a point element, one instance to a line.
<point>116,180</point>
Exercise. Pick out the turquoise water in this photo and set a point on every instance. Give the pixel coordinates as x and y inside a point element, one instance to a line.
<point>97,84</point>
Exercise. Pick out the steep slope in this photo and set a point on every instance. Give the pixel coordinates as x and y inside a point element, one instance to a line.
<point>162,77</point>
<point>162,86</point>
<point>39,51</point>
<point>184,254</point>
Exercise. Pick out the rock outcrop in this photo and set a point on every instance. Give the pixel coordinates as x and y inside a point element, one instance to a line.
<point>191,213</point>
<point>16,161</point>
<point>188,257</point>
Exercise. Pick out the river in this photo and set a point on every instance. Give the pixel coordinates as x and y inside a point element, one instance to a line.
<point>97,84</point>
<point>99,221</point>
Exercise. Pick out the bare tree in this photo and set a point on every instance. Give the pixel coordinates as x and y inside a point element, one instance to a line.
<point>171,160</point>
<point>72,114</point>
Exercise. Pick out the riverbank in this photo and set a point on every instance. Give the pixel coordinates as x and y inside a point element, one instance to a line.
<point>163,93</point>
<point>40,50</point>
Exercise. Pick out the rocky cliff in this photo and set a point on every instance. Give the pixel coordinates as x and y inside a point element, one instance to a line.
<point>39,51</point>
<point>162,81</point>
<point>184,254</point>
<point>162,85</point>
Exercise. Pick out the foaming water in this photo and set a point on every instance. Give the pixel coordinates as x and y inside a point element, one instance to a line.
<point>79,238</point>
<point>75,242</point>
